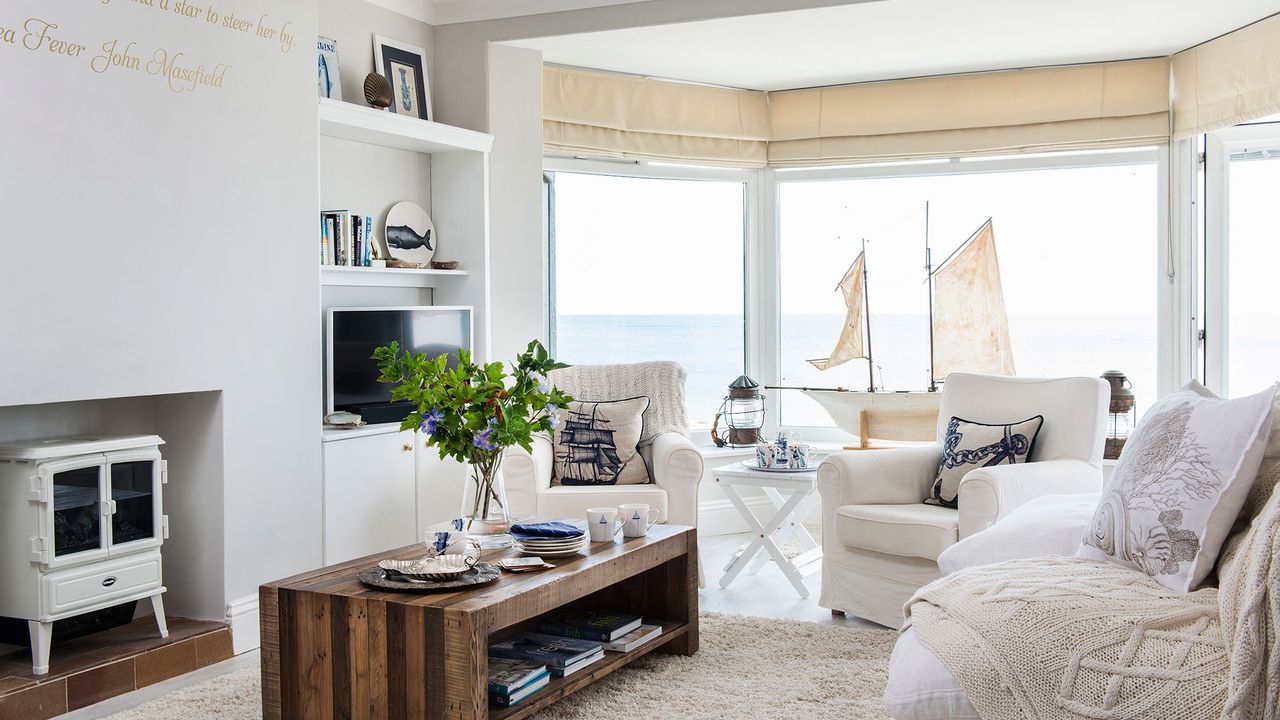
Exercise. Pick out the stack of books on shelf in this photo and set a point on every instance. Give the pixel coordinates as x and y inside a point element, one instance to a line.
<point>619,632</point>
<point>346,238</point>
<point>563,656</point>
<point>511,681</point>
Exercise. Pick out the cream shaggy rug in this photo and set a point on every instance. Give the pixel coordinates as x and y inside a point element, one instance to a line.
<point>747,669</point>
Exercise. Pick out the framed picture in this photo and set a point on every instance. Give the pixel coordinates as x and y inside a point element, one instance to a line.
<point>405,66</point>
<point>327,68</point>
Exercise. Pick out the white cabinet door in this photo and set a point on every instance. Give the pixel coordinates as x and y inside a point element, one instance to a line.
<point>369,495</point>
<point>440,485</point>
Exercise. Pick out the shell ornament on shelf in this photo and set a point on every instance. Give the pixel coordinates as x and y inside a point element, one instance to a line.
<point>377,91</point>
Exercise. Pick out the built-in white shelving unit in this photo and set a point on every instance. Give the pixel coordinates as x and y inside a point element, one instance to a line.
<point>381,486</point>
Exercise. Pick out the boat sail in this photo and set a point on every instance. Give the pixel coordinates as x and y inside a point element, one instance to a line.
<point>850,346</point>
<point>968,330</point>
<point>970,325</point>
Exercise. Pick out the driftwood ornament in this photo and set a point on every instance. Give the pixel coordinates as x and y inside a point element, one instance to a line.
<point>377,91</point>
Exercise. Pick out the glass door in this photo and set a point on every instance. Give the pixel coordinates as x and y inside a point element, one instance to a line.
<point>134,479</point>
<point>73,530</point>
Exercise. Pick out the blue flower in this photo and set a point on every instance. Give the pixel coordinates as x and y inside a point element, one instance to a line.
<point>543,387</point>
<point>482,438</point>
<point>431,420</point>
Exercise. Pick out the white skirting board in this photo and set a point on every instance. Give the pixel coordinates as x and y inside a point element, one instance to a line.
<point>242,616</point>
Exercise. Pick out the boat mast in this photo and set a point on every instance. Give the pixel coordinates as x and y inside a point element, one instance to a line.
<point>928,268</point>
<point>866,307</point>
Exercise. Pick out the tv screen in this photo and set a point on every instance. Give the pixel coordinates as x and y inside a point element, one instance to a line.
<point>354,333</point>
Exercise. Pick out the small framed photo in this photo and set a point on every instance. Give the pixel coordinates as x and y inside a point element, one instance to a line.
<point>405,67</point>
<point>327,68</point>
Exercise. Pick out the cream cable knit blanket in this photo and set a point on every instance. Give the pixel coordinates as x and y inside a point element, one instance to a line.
<point>1057,637</point>
<point>661,381</point>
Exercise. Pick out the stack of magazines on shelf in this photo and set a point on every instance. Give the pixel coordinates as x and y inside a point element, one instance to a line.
<point>567,642</point>
<point>346,239</point>
<point>618,632</point>
<point>511,681</point>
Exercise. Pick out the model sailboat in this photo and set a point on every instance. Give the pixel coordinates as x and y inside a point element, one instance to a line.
<point>968,330</point>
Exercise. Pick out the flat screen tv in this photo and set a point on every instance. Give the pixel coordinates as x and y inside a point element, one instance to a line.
<point>352,334</point>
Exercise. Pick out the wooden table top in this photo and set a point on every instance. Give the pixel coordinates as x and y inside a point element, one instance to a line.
<point>607,560</point>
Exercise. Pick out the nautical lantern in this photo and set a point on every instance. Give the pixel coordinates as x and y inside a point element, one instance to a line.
<point>1121,414</point>
<point>743,412</point>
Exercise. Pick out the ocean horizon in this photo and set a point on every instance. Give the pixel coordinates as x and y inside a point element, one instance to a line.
<point>711,349</point>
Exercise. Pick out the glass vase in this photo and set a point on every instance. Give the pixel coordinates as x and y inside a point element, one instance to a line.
<point>484,506</point>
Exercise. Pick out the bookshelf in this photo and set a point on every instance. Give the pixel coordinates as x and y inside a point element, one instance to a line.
<point>368,161</point>
<point>371,159</point>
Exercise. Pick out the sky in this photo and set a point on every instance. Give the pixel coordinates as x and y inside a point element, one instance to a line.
<point>645,246</point>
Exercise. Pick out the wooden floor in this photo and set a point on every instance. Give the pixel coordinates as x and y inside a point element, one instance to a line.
<point>765,594</point>
<point>87,670</point>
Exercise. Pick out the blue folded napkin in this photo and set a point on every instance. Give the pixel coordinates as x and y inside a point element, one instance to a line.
<point>553,529</point>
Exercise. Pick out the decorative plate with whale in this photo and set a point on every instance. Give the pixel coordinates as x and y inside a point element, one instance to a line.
<point>410,234</point>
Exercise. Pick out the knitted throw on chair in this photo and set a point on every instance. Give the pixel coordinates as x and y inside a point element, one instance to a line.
<point>1058,637</point>
<point>662,381</point>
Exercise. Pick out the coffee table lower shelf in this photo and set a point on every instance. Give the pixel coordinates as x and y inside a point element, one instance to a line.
<point>560,687</point>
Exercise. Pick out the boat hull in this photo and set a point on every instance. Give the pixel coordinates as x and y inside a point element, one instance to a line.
<point>886,416</point>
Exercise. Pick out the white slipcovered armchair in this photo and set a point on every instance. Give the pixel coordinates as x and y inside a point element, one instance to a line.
<point>881,543</point>
<point>674,464</point>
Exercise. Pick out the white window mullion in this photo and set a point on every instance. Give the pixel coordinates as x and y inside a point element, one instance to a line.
<point>1217,330</point>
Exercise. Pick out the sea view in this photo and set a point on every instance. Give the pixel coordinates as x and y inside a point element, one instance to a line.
<point>710,347</point>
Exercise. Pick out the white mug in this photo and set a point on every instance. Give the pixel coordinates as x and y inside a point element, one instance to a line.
<point>604,523</point>
<point>638,518</point>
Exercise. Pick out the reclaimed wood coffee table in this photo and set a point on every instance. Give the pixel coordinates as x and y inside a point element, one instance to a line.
<point>332,647</point>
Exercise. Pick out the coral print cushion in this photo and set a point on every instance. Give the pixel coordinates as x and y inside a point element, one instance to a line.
<point>1179,484</point>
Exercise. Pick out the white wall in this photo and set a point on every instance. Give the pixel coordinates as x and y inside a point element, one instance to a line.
<point>517,264</point>
<point>168,245</point>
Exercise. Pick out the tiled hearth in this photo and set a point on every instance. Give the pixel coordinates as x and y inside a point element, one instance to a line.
<point>95,667</point>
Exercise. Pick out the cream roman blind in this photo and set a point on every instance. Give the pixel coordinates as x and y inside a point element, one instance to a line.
<point>1226,81</point>
<point>597,114</point>
<point>1037,110</point>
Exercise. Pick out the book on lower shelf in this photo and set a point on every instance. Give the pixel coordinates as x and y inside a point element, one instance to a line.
<point>589,624</point>
<point>511,681</point>
<point>346,239</point>
<point>562,656</point>
<point>634,639</point>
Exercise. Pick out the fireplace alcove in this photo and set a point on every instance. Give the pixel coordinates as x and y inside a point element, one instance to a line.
<point>191,425</point>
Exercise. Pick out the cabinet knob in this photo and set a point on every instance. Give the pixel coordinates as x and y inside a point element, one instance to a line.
<point>407,447</point>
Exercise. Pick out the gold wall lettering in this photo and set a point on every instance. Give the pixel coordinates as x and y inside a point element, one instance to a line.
<point>179,73</point>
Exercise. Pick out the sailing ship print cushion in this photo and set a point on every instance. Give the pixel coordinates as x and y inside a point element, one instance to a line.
<point>596,443</point>
<point>972,445</point>
<point>1180,482</point>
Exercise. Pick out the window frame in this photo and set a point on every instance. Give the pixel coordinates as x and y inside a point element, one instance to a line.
<point>751,182</point>
<point>1165,303</point>
<point>1176,267</point>
<point>1218,148</point>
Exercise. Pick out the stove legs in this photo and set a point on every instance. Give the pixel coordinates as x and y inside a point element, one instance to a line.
<point>157,605</point>
<point>41,639</point>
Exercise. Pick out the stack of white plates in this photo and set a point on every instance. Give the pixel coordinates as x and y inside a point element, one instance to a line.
<point>552,547</point>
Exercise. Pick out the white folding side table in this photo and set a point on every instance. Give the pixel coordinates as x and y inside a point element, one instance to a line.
<point>800,498</point>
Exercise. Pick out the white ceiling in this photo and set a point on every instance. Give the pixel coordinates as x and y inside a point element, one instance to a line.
<point>449,12</point>
<point>901,38</point>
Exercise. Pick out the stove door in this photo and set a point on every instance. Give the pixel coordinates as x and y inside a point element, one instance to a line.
<point>73,526</point>
<point>134,479</point>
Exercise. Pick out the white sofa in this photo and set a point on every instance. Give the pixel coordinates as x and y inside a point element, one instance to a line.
<point>880,543</point>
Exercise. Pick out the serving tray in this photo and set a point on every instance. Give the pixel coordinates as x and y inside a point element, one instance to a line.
<point>482,574</point>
